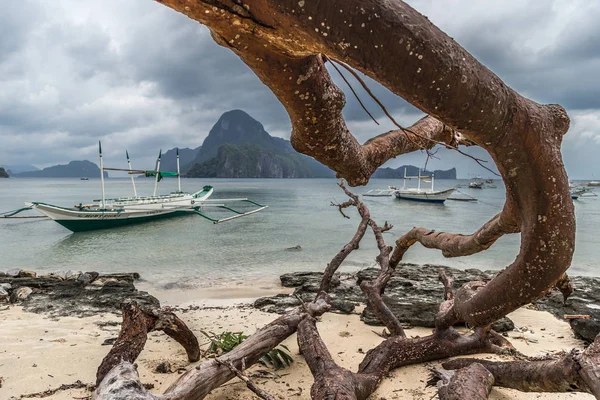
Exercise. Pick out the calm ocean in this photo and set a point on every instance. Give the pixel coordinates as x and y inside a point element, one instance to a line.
<point>192,250</point>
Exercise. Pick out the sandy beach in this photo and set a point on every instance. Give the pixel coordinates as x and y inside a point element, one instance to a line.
<point>38,353</point>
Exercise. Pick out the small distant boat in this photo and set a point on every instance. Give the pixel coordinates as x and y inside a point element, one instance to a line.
<point>423,195</point>
<point>594,183</point>
<point>489,181</point>
<point>110,213</point>
<point>84,179</point>
<point>581,191</point>
<point>476,183</point>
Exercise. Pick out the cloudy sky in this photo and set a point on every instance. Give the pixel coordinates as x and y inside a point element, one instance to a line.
<point>139,76</point>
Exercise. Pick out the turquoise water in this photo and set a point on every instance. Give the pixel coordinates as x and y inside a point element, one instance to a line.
<point>194,252</point>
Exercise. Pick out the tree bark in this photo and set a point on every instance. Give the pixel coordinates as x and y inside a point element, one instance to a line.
<point>137,323</point>
<point>283,42</point>
<point>473,382</point>
<point>573,372</point>
<point>122,380</point>
<point>434,73</point>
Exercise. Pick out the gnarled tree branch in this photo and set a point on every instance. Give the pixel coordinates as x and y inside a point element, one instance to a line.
<point>283,41</point>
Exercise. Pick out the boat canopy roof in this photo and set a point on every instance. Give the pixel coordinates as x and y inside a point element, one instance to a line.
<point>147,173</point>
<point>160,174</point>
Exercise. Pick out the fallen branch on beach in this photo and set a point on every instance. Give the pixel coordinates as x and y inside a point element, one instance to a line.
<point>63,387</point>
<point>258,391</point>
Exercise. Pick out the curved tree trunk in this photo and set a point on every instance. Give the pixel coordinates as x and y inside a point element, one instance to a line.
<point>287,43</point>
<point>281,41</point>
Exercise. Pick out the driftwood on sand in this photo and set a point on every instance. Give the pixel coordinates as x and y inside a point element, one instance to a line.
<point>287,44</point>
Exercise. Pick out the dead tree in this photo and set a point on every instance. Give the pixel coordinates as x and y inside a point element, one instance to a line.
<point>287,43</point>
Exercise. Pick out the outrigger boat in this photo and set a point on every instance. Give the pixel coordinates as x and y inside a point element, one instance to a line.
<point>418,194</point>
<point>110,213</point>
<point>581,191</point>
<point>476,183</point>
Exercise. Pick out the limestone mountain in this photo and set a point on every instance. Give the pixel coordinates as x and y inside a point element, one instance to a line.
<point>74,169</point>
<point>168,161</point>
<point>411,170</point>
<point>18,168</point>
<point>238,146</point>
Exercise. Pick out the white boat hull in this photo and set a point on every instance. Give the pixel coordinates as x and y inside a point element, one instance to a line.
<point>87,220</point>
<point>424,196</point>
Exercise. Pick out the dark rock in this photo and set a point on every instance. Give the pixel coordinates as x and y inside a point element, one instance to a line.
<point>421,314</point>
<point>278,304</point>
<point>2,274</point>
<point>416,314</point>
<point>20,294</point>
<point>102,280</point>
<point>57,297</point>
<point>13,273</point>
<point>163,368</point>
<point>26,274</point>
<point>587,329</point>
<point>72,275</point>
<point>128,277</point>
<point>40,282</point>
<point>585,300</point>
<point>414,292</point>
<point>343,306</point>
<point>109,341</point>
<point>3,295</point>
<point>295,248</point>
<point>102,324</point>
<point>503,325</point>
<point>87,277</point>
<point>296,279</point>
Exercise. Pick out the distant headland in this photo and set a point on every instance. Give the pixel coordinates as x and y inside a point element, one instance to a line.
<point>237,146</point>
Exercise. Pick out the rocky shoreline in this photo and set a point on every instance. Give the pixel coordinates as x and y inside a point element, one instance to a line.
<point>72,293</point>
<point>414,294</point>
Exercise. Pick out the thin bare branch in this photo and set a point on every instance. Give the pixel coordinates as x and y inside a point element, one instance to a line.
<point>448,282</point>
<point>251,385</point>
<point>352,89</point>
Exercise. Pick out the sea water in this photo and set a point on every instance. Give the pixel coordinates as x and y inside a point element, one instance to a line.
<point>191,251</point>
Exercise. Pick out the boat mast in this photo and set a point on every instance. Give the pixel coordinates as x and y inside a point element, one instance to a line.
<point>432,178</point>
<point>101,173</point>
<point>178,173</point>
<point>132,180</point>
<point>419,184</point>
<point>157,172</point>
<point>404,181</point>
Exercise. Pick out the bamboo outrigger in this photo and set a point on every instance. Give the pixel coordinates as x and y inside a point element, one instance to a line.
<point>110,213</point>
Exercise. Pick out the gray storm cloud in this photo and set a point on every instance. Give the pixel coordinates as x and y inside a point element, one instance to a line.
<point>140,76</point>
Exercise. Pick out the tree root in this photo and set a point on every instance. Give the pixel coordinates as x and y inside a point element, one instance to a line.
<point>572,372</point>
<point>470,383</point>
<point>137,323</point>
